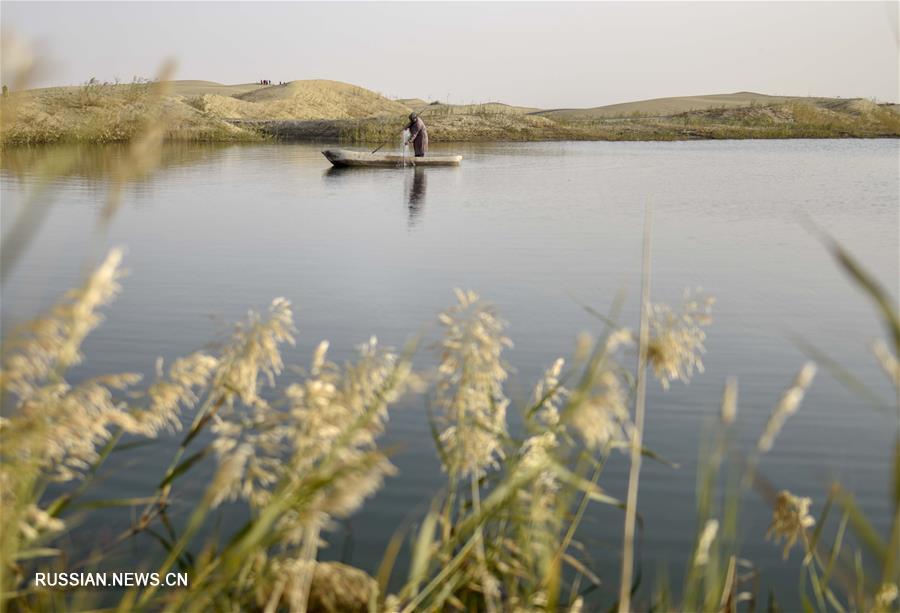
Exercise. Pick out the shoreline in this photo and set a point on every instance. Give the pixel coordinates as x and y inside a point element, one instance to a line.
<point>320,110</point>
<point>272,139</point>
<point>361,132</point>
<point>305,131</point>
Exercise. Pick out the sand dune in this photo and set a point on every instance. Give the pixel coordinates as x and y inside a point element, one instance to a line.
<point>324,99</point>
<point>315,108</point>
<point>667,106</point>
<point>420,106</point>
<point>486,108</point>
<point>413,103</point>
<point>311,99</point>
<point>199,88</point>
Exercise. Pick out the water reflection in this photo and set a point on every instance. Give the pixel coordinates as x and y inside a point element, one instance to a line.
<point>415,190</point>
<point>336,172</point>
<point>415,185</point>
<point>97,163</point>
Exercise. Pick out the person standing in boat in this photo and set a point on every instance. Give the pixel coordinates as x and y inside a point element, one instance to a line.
<point>418,134</point>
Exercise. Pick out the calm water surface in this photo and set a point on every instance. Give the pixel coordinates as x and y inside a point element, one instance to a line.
<point>539,229</point>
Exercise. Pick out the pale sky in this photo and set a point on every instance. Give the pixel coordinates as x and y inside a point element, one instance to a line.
<point>548,55</point>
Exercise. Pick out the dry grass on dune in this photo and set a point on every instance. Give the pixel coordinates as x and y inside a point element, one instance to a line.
<point>195,110</point>
<point>102,112</point>
<point>664,106</point>
<point>495,126</point>
<point>799,118</point>
<point>792,118</point>
<point>413,103</point>
<point>321,99</point>
<point>482,108</point>
<point>298,100</point>
<point>199,88</point>
<point>204,110</point>
<point>460,127</point>
<point>741,115</point>
<point>228,107</point>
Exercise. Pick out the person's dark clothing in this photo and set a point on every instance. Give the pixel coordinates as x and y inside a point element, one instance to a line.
<point>418,134</point>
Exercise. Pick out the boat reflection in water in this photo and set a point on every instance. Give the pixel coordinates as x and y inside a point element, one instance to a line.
<point>336,172</point>
<point>415,184</point>
<point>415,195</point>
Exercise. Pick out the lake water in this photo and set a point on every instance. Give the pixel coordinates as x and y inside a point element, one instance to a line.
<point>541,229</point>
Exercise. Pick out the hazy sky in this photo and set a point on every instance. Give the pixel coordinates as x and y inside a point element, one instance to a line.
<point>540,54</point>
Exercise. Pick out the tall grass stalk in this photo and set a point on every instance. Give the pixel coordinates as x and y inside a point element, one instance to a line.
<point>628,532</point>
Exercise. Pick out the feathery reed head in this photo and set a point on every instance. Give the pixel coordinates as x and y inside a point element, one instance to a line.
<point>470,385</point>
<point>677,338</point>
<point>602,418</point>
<point>790,519</point>
<point>787,406</point>
<point>707,538</point>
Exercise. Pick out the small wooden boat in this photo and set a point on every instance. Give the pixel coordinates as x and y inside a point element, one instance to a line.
<point>346,157</point>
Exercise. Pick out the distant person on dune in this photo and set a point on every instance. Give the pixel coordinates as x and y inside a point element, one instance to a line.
<point>418,135</point>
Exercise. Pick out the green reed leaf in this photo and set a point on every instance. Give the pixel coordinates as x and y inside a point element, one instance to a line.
<point>185,466</point>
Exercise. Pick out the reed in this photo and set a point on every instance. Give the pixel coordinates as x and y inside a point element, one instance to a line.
<point>501,534</point>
